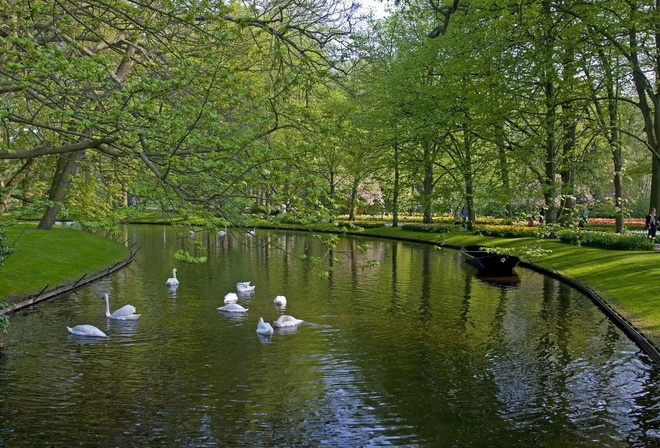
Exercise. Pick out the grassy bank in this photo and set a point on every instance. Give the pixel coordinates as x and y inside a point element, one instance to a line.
<point>52,258</point>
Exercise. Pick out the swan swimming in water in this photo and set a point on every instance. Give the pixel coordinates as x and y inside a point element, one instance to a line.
<point>86,330</point>
<point>231,297</point>
<point>244,287</point>
<point>172,281</point>
<point>252,232</point>
<point>264,327</point>
<point>126,312</point>
<point>287,321</point>
<point>280,301</point>
<point>233,308</point>
<point>222,232</point>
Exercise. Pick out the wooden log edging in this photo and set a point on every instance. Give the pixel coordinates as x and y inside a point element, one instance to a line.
<point>84,280</point>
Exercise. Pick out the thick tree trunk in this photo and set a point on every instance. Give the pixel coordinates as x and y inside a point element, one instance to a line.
<point>67,165</point>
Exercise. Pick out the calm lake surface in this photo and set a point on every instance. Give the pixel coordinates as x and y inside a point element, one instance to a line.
<point>416,352</point>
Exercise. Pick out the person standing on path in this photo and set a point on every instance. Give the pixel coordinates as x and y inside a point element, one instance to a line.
<point>651,223</point>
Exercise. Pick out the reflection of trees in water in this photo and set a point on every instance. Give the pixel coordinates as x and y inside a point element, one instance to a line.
<point>467,294</point>
<point>425,314</point>
<point>395,301</point>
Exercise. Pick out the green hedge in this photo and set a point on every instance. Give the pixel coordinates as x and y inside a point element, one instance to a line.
<point>429,228</point>
<point>606,240</point>
<point>516,231</point>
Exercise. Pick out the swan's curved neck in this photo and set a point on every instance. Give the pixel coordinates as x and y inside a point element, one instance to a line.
<point>173,273</point>
<point>107,306</point>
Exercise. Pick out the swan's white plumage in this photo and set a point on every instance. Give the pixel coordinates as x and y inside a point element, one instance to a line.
<point>280,301</point>
<point>244,287</point>
<point>172,281</point>
<point>233,308</point>
<point>231,297</point>
<point>126,312</point>
<point>222,233</point>
<point>287,321</point>
<point>86,330</point>
<point>252,232</point>
<point>264,327</point>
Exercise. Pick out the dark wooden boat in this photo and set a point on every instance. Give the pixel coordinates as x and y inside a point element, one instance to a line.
<point>490,264</point>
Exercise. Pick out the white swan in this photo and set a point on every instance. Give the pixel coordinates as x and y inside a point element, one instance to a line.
<point>233,308</point>
<point>86,330</point>
<point>280,301</point>
<point>287,321</point>
<point>222,233</point>
<point>252,232</point>
<point>244,287</point>
<point>172,281</point>
<point>126,312</point>
<point>264,327</point>
<point>231,297</point>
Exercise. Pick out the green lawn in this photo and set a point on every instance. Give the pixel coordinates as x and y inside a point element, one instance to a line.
<point>52,258</point>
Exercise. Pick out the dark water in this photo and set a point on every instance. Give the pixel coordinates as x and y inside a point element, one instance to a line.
<point>417,352</point>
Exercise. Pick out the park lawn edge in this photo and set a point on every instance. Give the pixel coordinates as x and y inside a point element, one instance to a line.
<point>48,259</point>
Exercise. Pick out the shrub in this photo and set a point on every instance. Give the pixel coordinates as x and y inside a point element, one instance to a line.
<point>606,240</point>
<point>429,228</point>
<point>5,249</point>
<point>365,224</point>
<point>506,231</point>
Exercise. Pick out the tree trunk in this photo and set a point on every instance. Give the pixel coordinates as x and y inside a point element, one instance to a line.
<point>618,184</point>
<point>649,110</point>
<point>504,178</point>
<point>353,203</point>
<point>549,184</point>
<point>468,176</point>
<point>67,165</point>
<point>427,186</point>
<point>567,207</point>
<point>395,193</point>
<point>614,139</point>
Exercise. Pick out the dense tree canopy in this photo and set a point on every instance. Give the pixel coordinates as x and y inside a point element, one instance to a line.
<point>219,108</point>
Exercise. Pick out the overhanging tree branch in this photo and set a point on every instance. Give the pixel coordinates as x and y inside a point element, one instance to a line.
<point>47,150</point>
